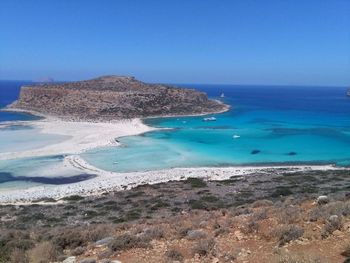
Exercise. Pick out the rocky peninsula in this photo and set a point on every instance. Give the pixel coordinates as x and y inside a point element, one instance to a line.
<point>113,97</point>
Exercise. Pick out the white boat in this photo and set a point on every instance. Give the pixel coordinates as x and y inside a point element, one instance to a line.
<point>209,119</point>
<point>236,136</point>
<point>222,95</point>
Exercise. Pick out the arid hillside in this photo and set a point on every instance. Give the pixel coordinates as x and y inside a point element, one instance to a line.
<point>269,217</point>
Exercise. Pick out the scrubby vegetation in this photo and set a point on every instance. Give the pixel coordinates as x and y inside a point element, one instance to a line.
<point>240,220</point>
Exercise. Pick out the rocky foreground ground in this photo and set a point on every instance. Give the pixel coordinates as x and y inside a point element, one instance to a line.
<point>113,97</point>
<point>277,217</point>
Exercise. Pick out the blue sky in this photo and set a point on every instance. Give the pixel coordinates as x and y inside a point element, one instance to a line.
<point>302,42</point>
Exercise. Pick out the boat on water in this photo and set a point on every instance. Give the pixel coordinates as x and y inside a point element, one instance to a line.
<point>222,95</point>
<point>236,136</point>
<point>348,93</point>
<point>209,119</point>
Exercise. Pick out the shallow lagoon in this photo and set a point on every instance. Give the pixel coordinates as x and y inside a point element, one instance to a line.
<point>279,125</point>
<point>275,125</point>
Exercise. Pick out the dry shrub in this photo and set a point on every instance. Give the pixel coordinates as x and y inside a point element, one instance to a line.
<point>196,234</point>
<point>98,232</point>
<point>16,239</point>
<point>240,210</point>
<point>18,256</point>
<point>289,215</point>
<point>174,255</point>
<point>221,231</point>
<point>262,203</point>
<point>43,253</point>
<point>251,227</point>
<point>204,247</point>
<point>79,237</point>
<point>127,241</point>
<point>339,208</point>
<point>332,224</point>
<point>182,231</point>
<point>12,244</point>
<point>152,233</point>
<point>69,238</point>
<point>260,215</point>
<point>288,233</point>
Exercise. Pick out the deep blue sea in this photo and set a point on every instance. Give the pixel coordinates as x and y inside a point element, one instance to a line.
<point>9,91</point>
<point>265,125</point>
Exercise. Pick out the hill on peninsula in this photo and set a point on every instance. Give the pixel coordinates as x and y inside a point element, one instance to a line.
<point>113,97</point>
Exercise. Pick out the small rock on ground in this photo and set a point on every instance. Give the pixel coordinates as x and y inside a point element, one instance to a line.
<point>69,260</point>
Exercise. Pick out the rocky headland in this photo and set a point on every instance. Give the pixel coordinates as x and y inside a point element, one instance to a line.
<point>113,97</point>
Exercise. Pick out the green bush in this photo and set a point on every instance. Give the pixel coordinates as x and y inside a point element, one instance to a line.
<point>72,198</point>
<point>196,182</point>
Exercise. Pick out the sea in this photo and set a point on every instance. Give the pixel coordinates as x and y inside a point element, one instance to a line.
<point>266,125</point>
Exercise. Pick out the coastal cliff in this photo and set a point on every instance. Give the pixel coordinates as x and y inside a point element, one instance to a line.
<point>113,97</point>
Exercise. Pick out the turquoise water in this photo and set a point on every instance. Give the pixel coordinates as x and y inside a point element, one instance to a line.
<point>276,125</point>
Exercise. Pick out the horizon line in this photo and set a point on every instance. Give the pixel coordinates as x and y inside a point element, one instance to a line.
<point>194,83</point>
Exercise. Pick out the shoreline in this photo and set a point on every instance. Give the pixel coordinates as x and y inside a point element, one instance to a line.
<point>82,136</point>
<point>225,109</point>
<point>85,135</point>
<point>107,181</point>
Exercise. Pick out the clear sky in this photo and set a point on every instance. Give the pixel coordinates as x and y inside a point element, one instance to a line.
<point>178,41</point>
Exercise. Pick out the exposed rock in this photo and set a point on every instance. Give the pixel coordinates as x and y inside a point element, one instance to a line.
<point>105,254</point>
<point>322,199</point>
<point>104,242</point>
<point>346,226</point>
<point>113,97</point>
<point>239,235</point>
<point>69,260</point>
<point>334,219</point>
<point>203,224</point>
<point>78,251</point>
<point>196,234</point>
<point>88,260</point>
<point>338,233</point>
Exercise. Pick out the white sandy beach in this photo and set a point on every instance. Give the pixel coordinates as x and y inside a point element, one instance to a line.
<point>83,136</point>
<point>87,135</point>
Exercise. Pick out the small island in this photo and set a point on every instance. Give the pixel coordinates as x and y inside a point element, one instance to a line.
<point>113,97</point>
